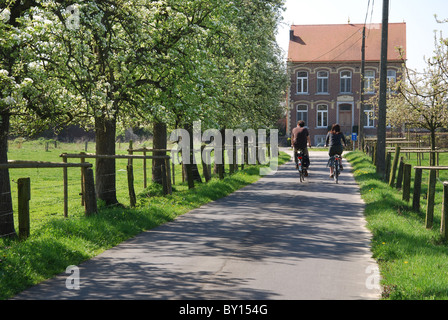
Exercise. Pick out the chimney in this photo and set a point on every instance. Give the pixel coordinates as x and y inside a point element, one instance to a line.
<point>291,35</point>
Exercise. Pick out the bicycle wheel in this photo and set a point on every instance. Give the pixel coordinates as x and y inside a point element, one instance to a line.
<point>301,177</point>
<point>336,173</point>
<point>300,167</point>
<point>337,169</point>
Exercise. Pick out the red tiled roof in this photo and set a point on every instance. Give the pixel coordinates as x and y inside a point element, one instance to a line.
<point>342,42</point>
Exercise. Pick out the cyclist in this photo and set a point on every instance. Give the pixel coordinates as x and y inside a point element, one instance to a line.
<point>300,138</point>
<point>334,141</point>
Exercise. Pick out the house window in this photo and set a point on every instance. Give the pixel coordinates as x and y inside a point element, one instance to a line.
<point>322,82</point>
<point>302,82</point>
<point>302,113</point>
<point>322,116</point>
<point>369,80</point>
<point>346,82</point>
<point>391,78</point>
<point>391,75</point>
<point>369,119</point>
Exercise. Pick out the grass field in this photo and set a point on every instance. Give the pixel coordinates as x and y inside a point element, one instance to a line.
<point>57,242</point>
<point>47,184</point>
<point>413,260</point>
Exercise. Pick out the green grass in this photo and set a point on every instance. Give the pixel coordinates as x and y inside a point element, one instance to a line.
<point>413,260</point>
<point>57,242</point>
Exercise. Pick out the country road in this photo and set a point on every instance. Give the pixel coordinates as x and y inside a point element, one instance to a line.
<point>277,239</point>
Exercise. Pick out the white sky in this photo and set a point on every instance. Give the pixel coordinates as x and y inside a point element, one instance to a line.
<point>418,15</point>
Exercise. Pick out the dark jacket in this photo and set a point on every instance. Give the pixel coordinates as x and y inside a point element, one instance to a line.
<point>335,139</point>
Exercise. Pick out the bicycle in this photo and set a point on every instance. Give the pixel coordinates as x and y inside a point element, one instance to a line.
<point>302,170</point>
<point>334,162</point>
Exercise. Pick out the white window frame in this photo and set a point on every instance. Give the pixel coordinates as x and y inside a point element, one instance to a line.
<point>369,81</point>
<point>302,82</point>
<point>322,116</point>
<point>369,116</point>
<point>302,111</point>
<point>347,81</point>
<point>391,76</point>
<point>322,81</point>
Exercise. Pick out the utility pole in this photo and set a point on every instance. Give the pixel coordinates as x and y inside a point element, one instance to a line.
<point>361,106</point>
<point>381,130</point>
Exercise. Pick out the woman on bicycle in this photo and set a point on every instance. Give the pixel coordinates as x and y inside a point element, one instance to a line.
<point>334,140</point>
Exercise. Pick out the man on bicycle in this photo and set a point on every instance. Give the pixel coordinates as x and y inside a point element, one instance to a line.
<point>300,138</point>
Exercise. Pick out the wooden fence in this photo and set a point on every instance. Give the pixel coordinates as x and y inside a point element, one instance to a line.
<point>88,193</point>
<point>24,189</point>
<point>145,150</point>
<point>166,175</point>
<point>403,181</point>
<point>444,219</point>
<point>206,167</point>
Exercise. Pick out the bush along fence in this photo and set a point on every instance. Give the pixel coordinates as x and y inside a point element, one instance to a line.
<point>399,173</point>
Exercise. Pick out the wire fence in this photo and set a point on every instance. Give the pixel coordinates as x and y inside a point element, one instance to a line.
<point>57,193</point>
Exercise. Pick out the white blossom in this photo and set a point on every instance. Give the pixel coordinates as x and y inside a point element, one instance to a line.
<point>5,14</point>
<point>9,100</point>
<point>27,81</point>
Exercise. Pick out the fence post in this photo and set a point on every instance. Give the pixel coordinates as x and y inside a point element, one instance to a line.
<point>444,220</point>
<point>387,176</point>
<point>235,156</point>
<point>130,152</point>
<point>394,166</point>
<point>431,195</point>
<point>65,178</point>
<point>230,154</point>
<point>144,169</point>
<point>174,173</point>
<point>164,179</point>
<point>24,195</point>
<point>89,195</point>
<point>406,182</point>
<point>83,191</point>
<point>400,174</point>
<point>132,198</point>
<point>417,189</point>
<point>168,176</point>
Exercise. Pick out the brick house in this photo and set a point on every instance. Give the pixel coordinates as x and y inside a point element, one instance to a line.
<point>324,63</point>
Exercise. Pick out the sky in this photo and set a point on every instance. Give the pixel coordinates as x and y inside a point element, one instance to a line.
<point>418,15</point>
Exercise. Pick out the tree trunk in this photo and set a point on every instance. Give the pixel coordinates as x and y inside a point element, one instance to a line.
<point>6,213</point>
<point>105,130</point>
<point>189,166</point>
<point>159,142</point>
<point>432,158</point>
<point>190,169</point>
<point>221,167</point>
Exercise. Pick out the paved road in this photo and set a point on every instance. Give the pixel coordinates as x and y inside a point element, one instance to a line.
<point>275,239</point>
